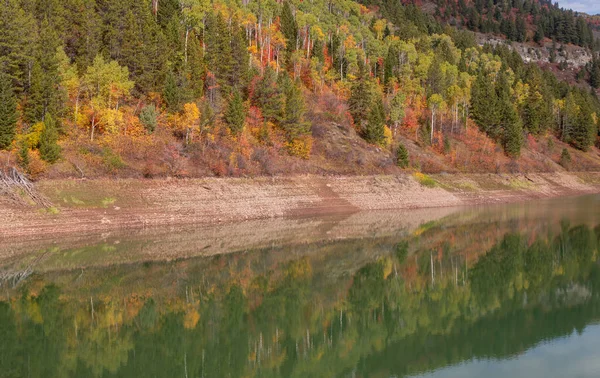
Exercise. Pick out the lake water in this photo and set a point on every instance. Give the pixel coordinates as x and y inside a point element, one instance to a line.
<point>499,291</point>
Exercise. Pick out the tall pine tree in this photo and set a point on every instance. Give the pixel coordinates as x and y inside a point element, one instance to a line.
<point>289,26</point>
<point>49,148</point>
<point>294,123</point>
<point>374,130</point>
<point>235,115</point>
<point>359,103</point>
<point>8,111</point>
<point>268,96</point>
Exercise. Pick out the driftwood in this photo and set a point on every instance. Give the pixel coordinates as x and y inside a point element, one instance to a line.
<point>12,279</point>
<point>14,185</point>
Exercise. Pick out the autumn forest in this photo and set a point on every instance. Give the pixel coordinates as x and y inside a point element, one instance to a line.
<point>157,88</point>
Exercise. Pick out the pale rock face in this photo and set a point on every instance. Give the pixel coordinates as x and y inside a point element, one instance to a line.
<point>575,56</point>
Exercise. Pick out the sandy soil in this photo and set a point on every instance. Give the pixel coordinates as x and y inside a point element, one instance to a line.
<point>84,206</point>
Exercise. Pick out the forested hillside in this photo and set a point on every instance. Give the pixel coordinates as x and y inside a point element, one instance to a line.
<point>519,20</point>
<point>192,87</point>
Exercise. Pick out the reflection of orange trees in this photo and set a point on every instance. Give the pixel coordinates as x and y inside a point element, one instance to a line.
<point>296,311</point>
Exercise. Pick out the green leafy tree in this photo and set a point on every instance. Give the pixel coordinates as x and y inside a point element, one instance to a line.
<point>105,84</point>
<point>397,111</point>
<point>235,115</point>
<point>435,103</point>
<point>49,148</point>
<point>8,112</point>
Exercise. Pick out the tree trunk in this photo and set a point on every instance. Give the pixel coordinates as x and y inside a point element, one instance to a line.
<point>432,125</point>
<point>187,34</point>
<point>93,128</point>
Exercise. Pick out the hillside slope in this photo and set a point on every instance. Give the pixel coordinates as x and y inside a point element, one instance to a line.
<point>190,89</point>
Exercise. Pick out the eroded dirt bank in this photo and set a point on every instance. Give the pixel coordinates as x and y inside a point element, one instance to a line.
<point>82,206</point>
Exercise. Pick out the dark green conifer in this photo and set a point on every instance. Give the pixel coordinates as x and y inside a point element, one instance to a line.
<point>8,112</point>
<point>289,27</point>
<point>33,109</point>
<point>294,123</point>
<point>235,115</point>
<point>374,130</point>
<point>268,96</point>
<point>49,148</point>
<point>402,160</point>
<point>172,93</point>
<point>24,155</point>
<point>360,101</point>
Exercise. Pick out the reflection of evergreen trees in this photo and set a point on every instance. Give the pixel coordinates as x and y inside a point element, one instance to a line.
<point>522,291</point>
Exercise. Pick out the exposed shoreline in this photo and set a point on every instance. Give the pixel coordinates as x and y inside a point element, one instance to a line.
<point>83,206</point>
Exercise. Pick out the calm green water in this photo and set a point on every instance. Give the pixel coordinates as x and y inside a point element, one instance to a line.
<point>505,291</point>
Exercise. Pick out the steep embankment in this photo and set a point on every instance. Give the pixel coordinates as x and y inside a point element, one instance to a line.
<point>96,205</point>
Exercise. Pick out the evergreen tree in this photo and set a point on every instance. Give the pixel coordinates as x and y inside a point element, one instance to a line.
<point>539,35</point>
<point>33,109</point>
<point>552,57</point>
<point>172,93</point>
<point>8,111</point>
<point>402,160</point>
<point>289,27</point>
<point>512,140</point>
<point>565,158</point>
<point>219,55</point>
<point>510,130</point>
<point>24,155</point>
<point>239,51</point>
<point>49,149</point>
<point>47,57</point>
<point>595,73</point>
<point>149,117</point>
<point>294,123</point>
<point>521,29</point>
<point>195,66</point>
<point>235,115</point>
<point>585,129</point>
<point>132,48</point>
<point>533,112</point>
<point>167,10</point>
<point>484,109</point>
<point>141,47</point>
<point>374,130</point>
<point>85,22</point>
<point>359,103</point>
<point>317,50</point>
<point>17,33</point>
<point>269,97</point>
